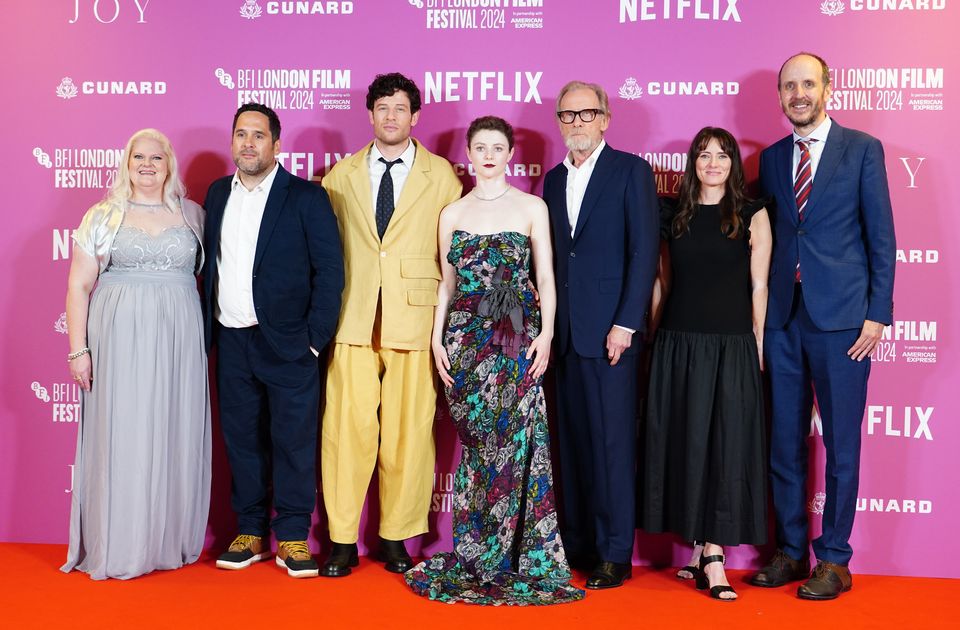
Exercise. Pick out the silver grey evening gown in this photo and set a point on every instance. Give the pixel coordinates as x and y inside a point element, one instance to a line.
<point>142,477</point>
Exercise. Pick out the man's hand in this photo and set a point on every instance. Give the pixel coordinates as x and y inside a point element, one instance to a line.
<point>867,341</point>
<point>618,340</point>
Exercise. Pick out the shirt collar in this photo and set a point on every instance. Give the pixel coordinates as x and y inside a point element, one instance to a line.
<point>819,134</point>
<point>407,156</point>
<point>264,185</point>
<point>591,161</point>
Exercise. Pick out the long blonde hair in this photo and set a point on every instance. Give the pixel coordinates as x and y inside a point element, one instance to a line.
<point>173,188</point>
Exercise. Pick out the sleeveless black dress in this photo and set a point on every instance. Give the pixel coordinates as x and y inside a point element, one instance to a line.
<point>705,466</point>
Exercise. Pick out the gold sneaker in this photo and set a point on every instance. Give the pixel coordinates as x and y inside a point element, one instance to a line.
<point>294,556</point>
<point>244,551</point>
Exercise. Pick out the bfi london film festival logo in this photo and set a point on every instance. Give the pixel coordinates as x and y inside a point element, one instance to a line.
<point>251,9</point>
<point>649,10</point>
<point>291,89</point>
<point>817,504</point>
<point>886,89</point>
<point>67,89</point>
<point>63,400</point>
<point>911,342</point>
<point>667,168</point>
<point>522,86</point>
<point>833,8</point>
<point>481,14</point>
<point>81,168</point>
<point>442,499</point>
<point>632,90</point>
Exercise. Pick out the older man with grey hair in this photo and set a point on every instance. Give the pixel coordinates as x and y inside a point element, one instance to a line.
<point>603,212</point>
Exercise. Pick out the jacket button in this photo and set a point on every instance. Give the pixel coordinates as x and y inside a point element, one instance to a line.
<point>383,254</point>
<point>573,254</point>
<point>801,232</point>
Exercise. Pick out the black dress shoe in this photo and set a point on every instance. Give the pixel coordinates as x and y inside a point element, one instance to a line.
<point>609,575</point>
<point>394,554</point>
<point>827,582</point>
<point>780,570</point>
<point>341,558</point>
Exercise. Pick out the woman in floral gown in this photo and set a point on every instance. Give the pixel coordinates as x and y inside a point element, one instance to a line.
<point>491,351</point>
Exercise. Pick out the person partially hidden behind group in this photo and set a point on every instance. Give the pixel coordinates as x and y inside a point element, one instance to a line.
<point>491,350</point>
<point>142,475</point>
<point>705,477</point>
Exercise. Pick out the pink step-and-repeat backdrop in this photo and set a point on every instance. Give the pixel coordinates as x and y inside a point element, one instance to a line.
<point>79,76</point>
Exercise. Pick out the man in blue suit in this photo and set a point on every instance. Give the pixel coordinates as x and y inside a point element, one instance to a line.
<point>603,213</point>
<point>831,294</point>
<point>272,284</point>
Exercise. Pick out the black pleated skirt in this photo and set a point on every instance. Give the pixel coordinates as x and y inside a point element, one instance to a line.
<point>705,457</point>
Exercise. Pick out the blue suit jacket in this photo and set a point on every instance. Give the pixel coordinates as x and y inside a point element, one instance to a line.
<point>845,243</point>
<point>605,271</point>
<point>297,268</point>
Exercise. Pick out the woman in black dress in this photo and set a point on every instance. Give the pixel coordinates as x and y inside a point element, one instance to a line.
<point>705,475</point>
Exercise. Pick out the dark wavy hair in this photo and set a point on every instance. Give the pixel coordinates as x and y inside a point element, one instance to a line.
<point>734,196</point>
<point>490,123</point>
<point>389,84</point>
<point>266,111</point>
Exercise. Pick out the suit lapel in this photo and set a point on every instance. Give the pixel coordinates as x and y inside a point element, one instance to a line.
<point>784,166</point>
<point>359,178</point>
<point>558,205</point>
<point>598,180</point>
<point>418,180</point>
<point>829,160</point>
<point>271,213</point>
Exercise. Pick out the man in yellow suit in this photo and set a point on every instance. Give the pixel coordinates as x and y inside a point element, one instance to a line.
<point>380,396</point>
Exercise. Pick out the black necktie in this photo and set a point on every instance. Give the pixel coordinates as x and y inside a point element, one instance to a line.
<point>385,198</point>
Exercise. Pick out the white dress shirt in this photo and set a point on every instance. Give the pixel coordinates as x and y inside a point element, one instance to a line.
<point>577,180</point>
<point>816,148</point>
<point>238,247</point>
<point>398,172</point>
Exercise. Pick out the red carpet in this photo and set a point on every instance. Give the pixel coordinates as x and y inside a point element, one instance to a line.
<point>36,595</point>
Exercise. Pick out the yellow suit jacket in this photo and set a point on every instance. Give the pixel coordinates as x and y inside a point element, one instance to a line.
<point>403,270</point>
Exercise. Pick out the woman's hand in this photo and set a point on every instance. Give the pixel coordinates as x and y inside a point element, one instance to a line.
<point>81,370</point>
<point>539,351</point>
<point>443,362</point>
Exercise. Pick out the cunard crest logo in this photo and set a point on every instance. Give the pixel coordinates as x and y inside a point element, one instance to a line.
<point>630,90</point>
<point>60,325</point>
<point>226,80</point>
<point>832,7</point>
<point>818,502</point>
<point>66,90</point>
<point>250,9</point>
<point>43,159</point>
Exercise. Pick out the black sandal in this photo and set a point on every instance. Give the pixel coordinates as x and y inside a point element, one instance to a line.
<point>693,570</point>
<point>703,583</point>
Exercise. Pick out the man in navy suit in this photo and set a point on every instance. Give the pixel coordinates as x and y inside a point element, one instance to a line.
<point>603,213</point>
<point>831,294</point>
<point>272,284</point>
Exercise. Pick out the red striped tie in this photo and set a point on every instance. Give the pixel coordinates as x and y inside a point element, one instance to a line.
<point>802,182</point>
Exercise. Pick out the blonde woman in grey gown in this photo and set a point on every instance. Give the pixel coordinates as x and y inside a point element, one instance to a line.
<point>142,475</point>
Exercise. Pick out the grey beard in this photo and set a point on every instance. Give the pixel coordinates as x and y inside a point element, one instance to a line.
<point>579,143</point>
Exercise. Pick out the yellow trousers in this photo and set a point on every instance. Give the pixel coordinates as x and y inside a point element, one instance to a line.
<point>361,381</point>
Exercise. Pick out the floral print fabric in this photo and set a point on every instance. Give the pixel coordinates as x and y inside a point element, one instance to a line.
<point>506,546</point>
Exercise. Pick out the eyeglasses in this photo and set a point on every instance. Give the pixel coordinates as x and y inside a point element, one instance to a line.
<point>567,116</point>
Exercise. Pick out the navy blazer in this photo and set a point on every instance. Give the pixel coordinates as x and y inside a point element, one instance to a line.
<point>297,268</point>
<point>845,243</point>
<point>605,271</point>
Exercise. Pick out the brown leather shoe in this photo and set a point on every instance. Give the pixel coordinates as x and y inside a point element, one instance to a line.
<point>827,582</point>
<point>780,570</point>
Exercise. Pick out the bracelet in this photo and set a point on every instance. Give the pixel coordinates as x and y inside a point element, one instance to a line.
<point>77,354</point>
